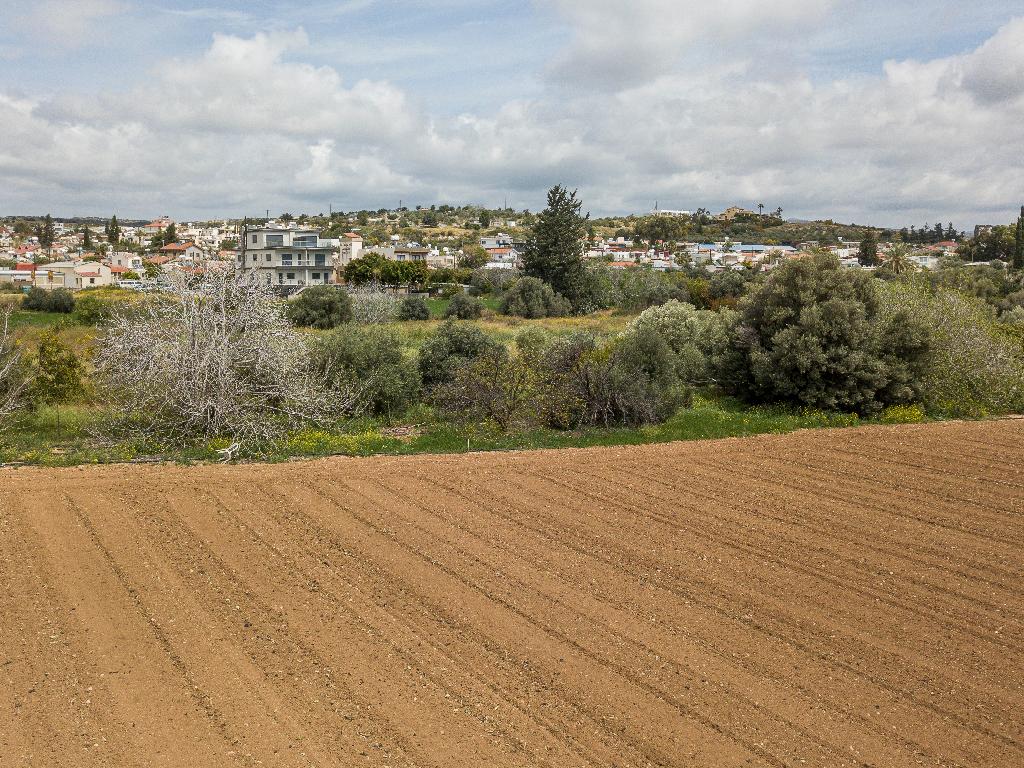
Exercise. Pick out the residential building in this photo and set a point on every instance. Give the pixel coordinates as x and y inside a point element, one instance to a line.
<point>73,275</point>
<point>351,248</point>
<point>289,258</point>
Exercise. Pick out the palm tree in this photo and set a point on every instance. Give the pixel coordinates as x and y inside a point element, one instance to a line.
<point>760,209</point>
<point>897,260</point>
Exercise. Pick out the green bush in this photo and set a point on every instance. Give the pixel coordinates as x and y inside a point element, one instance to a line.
<point>371,360</point>
<point>464,307</point>
<point>697,338</point>
<point>58,300</point>
<point>812,335</point>
<point>494,388</point>
<point>443,353</point>
<point>532,298</point>
<point>93,307</point>
<point>321,306</point>
<point>903,414</point>
<point>414,308</point>
<point>974,365</point>
<point>492,281</point>
<point>639,288</point>
<point>631,380</point>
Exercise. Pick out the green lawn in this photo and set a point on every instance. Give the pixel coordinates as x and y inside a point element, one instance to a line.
<point>438,306</point>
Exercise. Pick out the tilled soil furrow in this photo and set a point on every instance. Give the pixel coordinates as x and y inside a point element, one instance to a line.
<point>841,645</point>
<point>794,670</point>
<point>822,598</point>
<point>601,641</point>
<point>662,652</point>
<point>374,612</point>
<point>659,723</point>
<point>997,618</point>
<point>916,541</point>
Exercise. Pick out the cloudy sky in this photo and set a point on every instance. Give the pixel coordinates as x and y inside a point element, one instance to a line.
<point>859,110</point>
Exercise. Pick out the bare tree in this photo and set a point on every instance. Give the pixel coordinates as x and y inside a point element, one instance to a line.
<point>214,358</point>
<point>13,378</point>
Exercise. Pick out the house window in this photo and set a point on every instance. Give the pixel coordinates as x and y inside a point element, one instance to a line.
<point>254,257</point>
<point>286,259</point>
<point>291,275</point>
<point>275,240</point>
<point>268,258</point>
<point>316,275</point>
<point>320,260</point>
<point>254,239</point>
<point>92,281</point>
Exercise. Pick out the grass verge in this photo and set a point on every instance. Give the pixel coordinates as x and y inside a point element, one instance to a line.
<point>67,437</point>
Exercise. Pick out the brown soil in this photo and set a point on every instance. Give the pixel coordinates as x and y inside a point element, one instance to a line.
<point>850,597</point>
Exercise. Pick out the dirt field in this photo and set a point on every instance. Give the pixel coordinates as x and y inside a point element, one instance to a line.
<point>833,598</point>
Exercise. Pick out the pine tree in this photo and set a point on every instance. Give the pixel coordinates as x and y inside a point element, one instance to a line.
<point>45,232</point>
<point>170,234</point>
<point>114,231</point>
<point>868,255</point>
<point>86,239</point>
<point>554,251</point>
<point>1018,242</point>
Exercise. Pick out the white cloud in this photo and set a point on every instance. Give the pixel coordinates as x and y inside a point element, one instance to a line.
<point>244,127</point>
<point>68,23</point>
<point>623,43</point>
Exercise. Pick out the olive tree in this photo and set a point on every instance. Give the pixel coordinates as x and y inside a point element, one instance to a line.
<point>812,335</point>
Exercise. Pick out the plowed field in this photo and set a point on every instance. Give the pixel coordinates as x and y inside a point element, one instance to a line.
<point>849,597</point>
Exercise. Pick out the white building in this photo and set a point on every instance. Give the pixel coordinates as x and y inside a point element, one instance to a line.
<point>289,258</point>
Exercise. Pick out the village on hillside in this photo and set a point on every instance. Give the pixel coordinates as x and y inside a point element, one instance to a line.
<point>294,253</point>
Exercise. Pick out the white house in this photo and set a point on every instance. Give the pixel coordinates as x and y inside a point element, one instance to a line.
<point>289,258</point>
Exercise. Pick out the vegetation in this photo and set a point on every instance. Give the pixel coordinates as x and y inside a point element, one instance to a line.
<point>812,336</point>
<point>321,307</point>
<point>464,307</point>
<point>554,252</point>
<point>532,298</point>
<point>59,300</point>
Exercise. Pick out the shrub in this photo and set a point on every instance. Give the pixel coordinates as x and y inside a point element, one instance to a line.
<point>697,338</point>
<point>903,414</point>
<point>58,300</point>
<point>370,362</point>
<point>464,307</point>
<point>532,298</point>
<point>492,281</point>
<point>374,306</point>
<point>494,387</point>
<point>811,335</point>
<point>443,353</point>
<point>94,307</point>
<point>320,306</point>
<point>218,360</point>
<point>974,366</point>
<point>640,288</point>
<point>631,379</point>
<point>413,308</point>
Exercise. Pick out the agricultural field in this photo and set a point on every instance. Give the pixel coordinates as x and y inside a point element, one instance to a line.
<point>823,598</point>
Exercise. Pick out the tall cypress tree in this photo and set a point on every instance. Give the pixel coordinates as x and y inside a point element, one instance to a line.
<point>868,255</point>
<point>554,251</point>
<point>1018,242</point>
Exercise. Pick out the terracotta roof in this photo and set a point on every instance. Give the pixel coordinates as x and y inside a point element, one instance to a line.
<point>20,267</point>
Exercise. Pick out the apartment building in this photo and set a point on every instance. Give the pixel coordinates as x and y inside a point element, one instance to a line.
<point>288,258</point>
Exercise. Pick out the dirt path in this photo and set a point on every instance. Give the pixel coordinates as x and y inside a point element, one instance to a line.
<point>850,597</point>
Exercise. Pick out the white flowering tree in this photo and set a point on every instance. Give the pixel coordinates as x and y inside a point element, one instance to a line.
<point>214,358</point>
<point>13,379</point>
